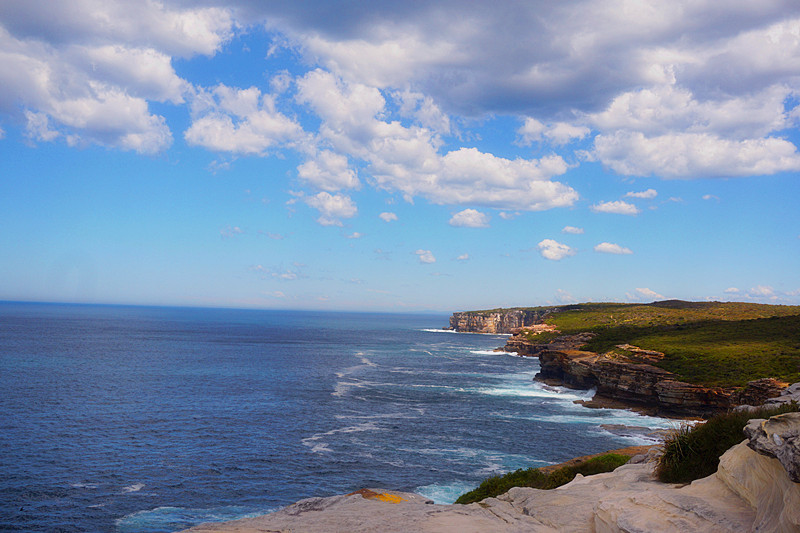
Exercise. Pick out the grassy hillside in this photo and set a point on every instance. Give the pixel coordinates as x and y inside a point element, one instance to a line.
<point>710,343</point>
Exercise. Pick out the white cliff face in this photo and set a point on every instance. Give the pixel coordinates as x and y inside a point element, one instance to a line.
<point>749,492</point>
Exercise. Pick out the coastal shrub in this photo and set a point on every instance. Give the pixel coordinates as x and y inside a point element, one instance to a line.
<point>693,452</point>
<point>533,477</point>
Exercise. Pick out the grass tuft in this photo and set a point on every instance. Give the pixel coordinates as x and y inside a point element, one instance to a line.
<point>693,452</point>
<point>533,477</point>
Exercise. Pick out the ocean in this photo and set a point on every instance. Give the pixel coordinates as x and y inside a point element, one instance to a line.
<point>147,419</point>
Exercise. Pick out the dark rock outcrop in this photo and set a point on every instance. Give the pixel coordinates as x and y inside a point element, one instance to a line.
<point>619,378</point>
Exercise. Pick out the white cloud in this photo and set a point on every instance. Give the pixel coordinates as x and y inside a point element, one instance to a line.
<point>553,250</point>
<point>463,257</point>
<point>406,159</point>
<point>505,215</point>
<point>694,155</point>
<point>564,297</point>
<point>558,133</point>
<point>732,290</point>
<point>230,231</point>
<point>763,291</point>
<point>611,248</point>
<point>387,216</point>
<point>710,197</point>
<point>332,207</point>
<point>355,235</point>
<point>425,256</point>
<point>470,218</point>
<point>91,68</point>
<point>573,230</point>
<point>244,121</point>
<point>618,207</point>
<point>649,194</point>
<point>328,171</point>
<point>649,293</point>
<point>423,110</point>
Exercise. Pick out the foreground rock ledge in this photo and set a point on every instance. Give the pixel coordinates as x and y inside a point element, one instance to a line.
<point>749,492</point>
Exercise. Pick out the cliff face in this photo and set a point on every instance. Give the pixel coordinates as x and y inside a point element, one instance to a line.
<point>500,321</point>
<point>620,379</point>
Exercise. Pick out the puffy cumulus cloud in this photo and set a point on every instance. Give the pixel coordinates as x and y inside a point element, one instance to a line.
<point>169,26</point>
<point>694,155</point>
<point>732,290</point>
<point>425,256</point>
<point>558,133</point>
<point>611,248</point>
<point>463,257</point>
<point>649,194</point>
<point>573,230</point>
<point>328,171</point>
<point>387,216</point>
<point>245,121</point>
<point>332,207</point>
<point>469,218</point>
<point>553,250</point>
<point>423,109</point>
<point>407,159</point>
<point>90,68</point>
<point>618,207</point>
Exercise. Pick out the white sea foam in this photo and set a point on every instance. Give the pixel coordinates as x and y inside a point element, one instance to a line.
<point>317,445</point>
<point>172,518</point>
<point>84,485</point>
<point>445,493</point>
<point>491,352</point>
<point>430,330</point>
<point>136,487</point>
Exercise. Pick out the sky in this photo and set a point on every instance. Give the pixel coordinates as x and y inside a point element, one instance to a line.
<point>399,156</point>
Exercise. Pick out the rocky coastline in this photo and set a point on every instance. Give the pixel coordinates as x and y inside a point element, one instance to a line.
<point>755,488</point>
<point>628,375</point>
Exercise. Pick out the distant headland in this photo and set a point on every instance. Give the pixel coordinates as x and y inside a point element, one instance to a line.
<point>672,357</point>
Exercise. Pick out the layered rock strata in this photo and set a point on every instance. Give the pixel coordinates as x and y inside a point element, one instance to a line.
<point>500,321</point>
<point>749,492</point>
<point>628,374</point>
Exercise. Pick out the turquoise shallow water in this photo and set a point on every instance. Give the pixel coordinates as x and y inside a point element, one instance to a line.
<point>134,419</point>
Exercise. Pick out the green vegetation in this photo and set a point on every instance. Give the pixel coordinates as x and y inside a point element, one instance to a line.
<point>533,477</point>
<point>542,337</point>
<point>693,453</point>
<point>708,343</point>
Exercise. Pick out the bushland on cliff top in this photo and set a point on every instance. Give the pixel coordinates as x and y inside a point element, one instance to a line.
<point>708,343</point>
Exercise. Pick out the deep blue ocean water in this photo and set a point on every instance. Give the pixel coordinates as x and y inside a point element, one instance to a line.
<point>136,419</point>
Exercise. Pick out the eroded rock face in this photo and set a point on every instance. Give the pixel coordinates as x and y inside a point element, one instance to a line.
<point>618,378</point>
<point>501,321</point>
<point>778,437</point>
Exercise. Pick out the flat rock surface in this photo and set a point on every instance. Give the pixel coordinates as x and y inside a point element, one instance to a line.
<point>624,500</point>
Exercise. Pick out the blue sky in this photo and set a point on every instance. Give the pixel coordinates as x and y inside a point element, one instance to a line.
<point>398,156</point>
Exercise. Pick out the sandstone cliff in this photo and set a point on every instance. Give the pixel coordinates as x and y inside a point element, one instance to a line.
<point>496,321</point>
<point>628,374</point>
<point>751,491</point>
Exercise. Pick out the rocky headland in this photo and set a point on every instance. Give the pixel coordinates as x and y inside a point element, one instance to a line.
<point>623,374</point>
<point>628,375</point>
